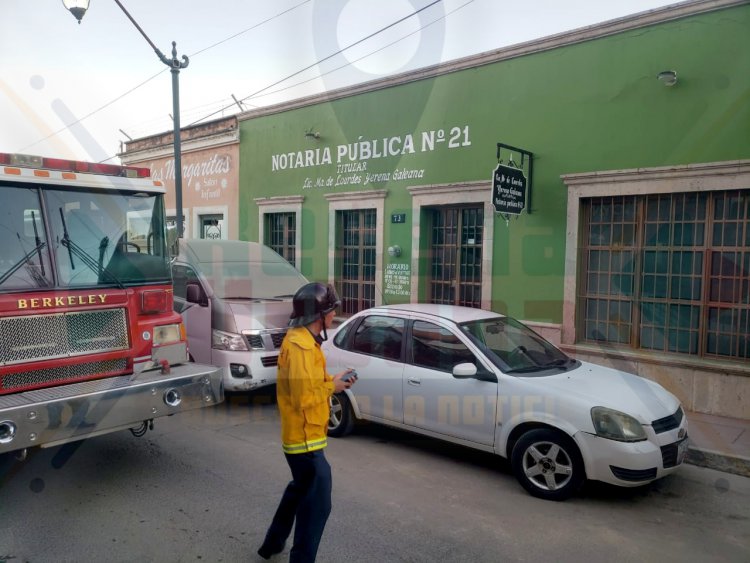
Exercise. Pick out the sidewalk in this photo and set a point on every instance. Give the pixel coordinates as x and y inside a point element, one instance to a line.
<point>719,443</point>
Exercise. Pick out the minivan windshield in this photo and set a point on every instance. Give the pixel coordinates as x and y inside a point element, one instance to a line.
<point>253,280</point>
<point>514,348</point>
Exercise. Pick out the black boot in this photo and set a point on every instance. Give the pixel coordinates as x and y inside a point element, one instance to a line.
<point>266,551</point>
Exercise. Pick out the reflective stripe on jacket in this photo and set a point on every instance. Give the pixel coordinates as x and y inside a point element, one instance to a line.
<point>303,390</point>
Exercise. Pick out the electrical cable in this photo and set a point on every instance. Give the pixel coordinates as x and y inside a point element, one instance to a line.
<point>323,59</point>
<point>251,96</point>
<point>249,28</point>
<point>118,98</point>
<point>316,77</point>
<point>256,94</point>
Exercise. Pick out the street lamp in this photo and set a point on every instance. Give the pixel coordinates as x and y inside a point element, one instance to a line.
<point>78,9</point>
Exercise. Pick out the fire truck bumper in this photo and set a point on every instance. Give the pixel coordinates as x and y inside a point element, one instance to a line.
<point>56,415</point>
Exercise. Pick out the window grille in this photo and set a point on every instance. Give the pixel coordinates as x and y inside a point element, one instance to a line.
<point>456,256</point>
<point>668,273</point>
<point>356,252</point>
<point>281,230</point>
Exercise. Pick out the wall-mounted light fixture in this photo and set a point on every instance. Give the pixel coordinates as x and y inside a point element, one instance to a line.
<point>394,251</point>
<point>312,134</point>
<point>667,77</point>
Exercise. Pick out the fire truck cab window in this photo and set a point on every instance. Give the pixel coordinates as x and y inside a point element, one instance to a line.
<point>112,238</point>
<point>24,253</point>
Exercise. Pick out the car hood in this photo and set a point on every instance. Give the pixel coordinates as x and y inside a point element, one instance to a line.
<point>601,386</point>
<point>259,315</point>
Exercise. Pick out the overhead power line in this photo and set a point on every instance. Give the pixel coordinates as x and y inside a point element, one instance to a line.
<point>349,63</point>
<point>256,94</point>
<point>131,90</point>
<point>249,28</point>
<point>244,100</point>
<point>382,29</point>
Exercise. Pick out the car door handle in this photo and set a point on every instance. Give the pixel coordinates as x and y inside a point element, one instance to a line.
<point>413,381</point>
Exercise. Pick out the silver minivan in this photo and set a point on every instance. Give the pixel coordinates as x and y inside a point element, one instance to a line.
<point>235,298</point>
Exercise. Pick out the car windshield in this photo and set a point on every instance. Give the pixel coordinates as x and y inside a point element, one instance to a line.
<point>513,347</point>
<point>253,280</point>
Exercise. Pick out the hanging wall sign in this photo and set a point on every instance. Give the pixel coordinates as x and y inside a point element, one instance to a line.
<point>508,190</point>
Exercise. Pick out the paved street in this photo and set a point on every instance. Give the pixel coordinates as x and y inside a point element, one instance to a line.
<point>203,486</point>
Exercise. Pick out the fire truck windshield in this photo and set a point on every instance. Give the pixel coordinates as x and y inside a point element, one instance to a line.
<point>81,238</point>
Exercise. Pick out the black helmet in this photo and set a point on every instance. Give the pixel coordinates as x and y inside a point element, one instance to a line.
<point>312,302</point>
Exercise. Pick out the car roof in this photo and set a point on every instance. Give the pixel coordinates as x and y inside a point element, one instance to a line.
<point>213,251</point>
<point>455,313</point>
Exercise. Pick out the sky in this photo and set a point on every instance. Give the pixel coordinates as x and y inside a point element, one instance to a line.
<point>78,91</point>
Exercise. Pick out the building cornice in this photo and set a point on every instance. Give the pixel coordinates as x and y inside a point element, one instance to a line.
<point>611,27</point>
<point>166,151</point>
<point>433,189</point>
<point>712,169</point>
<point>279,200</point>
<point>356,196</point>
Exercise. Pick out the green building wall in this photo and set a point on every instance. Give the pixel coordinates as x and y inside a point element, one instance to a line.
<point>589,106</point>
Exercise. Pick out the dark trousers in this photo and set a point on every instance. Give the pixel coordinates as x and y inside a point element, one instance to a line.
<point>307,499</point>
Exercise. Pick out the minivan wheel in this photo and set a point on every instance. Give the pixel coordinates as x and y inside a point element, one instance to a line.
<point>341,419</point>
<point>548,464</point>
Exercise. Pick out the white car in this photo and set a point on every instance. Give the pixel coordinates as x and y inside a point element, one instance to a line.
<point>486,381</point>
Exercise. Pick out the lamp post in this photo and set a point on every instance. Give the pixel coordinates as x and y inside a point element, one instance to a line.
<point>78,9</point>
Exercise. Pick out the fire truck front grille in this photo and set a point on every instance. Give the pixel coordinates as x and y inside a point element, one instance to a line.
<point>60,335</point>
<point>37,377</point>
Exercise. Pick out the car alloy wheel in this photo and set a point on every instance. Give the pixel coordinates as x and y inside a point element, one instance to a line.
<point>548,464</point>
<point>341,418</point>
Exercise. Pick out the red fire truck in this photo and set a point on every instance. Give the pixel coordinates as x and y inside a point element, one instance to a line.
<point>89,342</point>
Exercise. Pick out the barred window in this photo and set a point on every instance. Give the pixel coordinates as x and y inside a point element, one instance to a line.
<point>280,233</point>
<point>355,249</point>
<point>668,273</point>
<point>456,256</point>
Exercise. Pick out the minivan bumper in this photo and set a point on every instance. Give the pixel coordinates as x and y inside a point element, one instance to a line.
<point>259,368</point>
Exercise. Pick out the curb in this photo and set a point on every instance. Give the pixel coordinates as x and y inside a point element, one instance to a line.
<point>721,462</point>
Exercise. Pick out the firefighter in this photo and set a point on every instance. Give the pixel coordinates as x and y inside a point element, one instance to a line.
<point>303,392</point>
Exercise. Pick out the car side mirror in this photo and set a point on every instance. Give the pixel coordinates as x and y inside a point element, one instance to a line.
<point>195,294</point>
<point>469,371</point>
<point>464,371</point>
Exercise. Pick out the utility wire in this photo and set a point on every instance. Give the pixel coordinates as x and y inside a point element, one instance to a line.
<point>69,125</point>
<point>256,94</point>
<point>321,60</point>
<point>222,109</point>
<point>97,110</point>
<point>348,63</point>
<point>365,56</point>
<point>249,28</point>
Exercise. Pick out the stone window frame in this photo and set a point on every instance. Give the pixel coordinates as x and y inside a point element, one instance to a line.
<point>432,195</point>
<point>709,176</point>
<point>348,201</point>
<point>197,212</point>
<point>283,204</point>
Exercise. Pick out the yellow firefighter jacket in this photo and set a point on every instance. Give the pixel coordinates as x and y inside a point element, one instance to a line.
<point>303,390</point>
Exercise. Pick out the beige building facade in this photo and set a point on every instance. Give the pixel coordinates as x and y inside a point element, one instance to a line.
<point>210,175</point>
